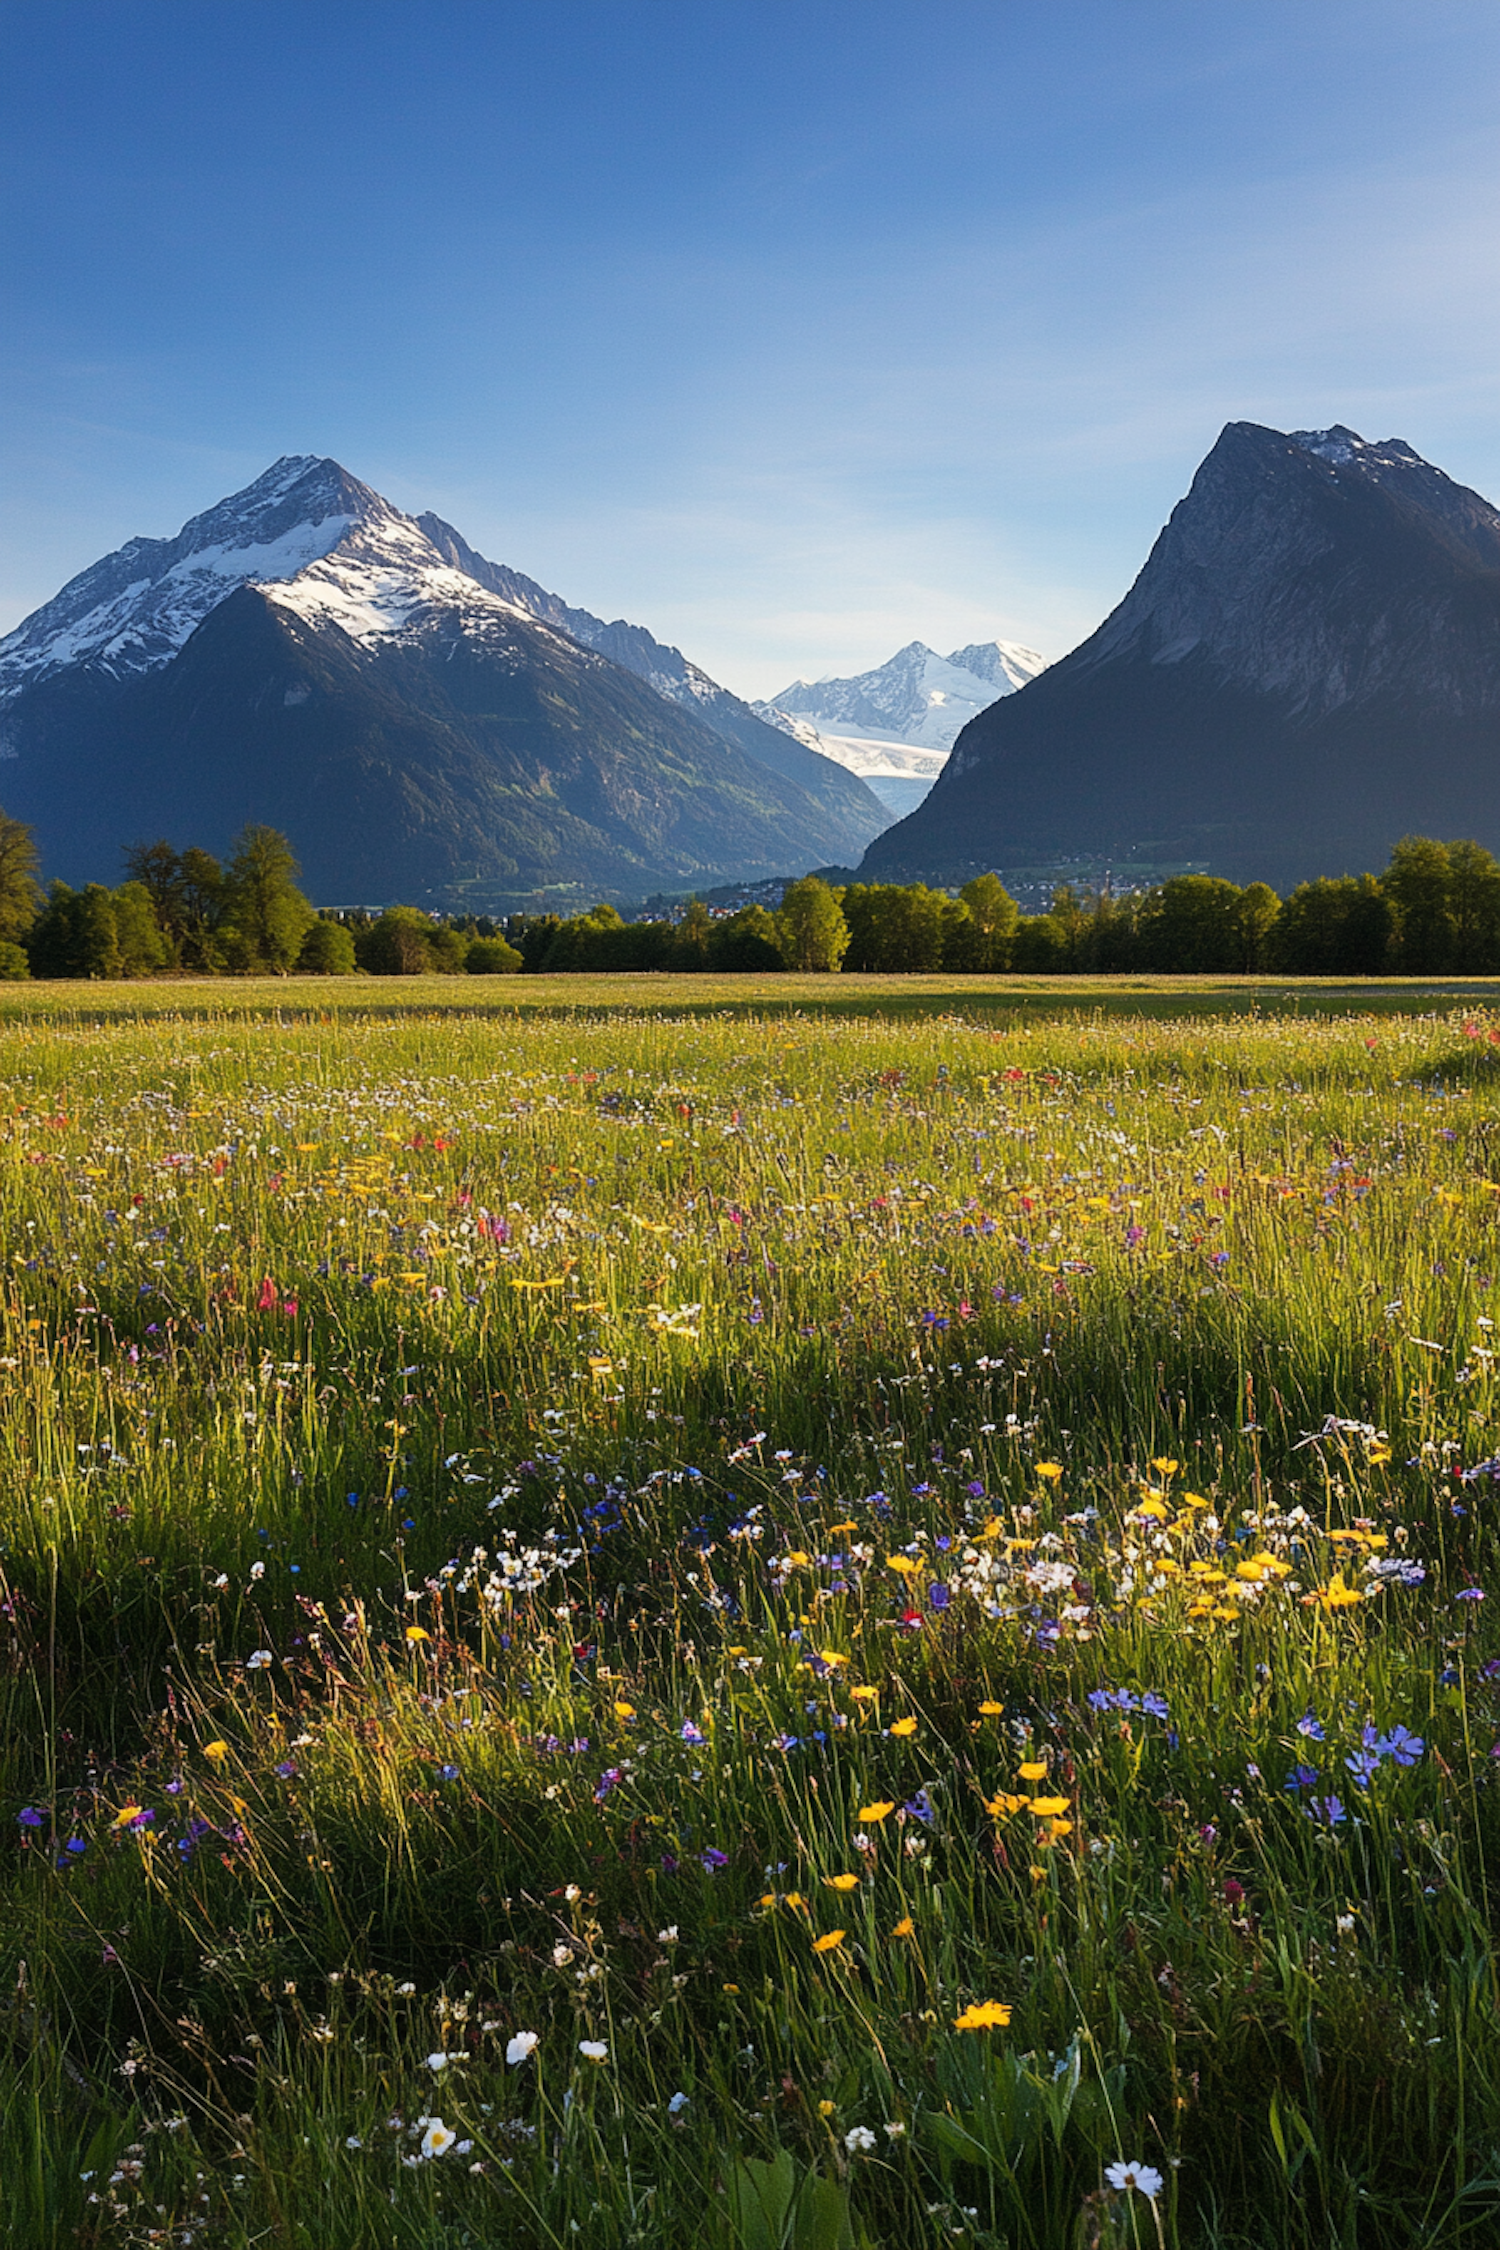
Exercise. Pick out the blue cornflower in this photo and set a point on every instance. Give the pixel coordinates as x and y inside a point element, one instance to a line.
<point>1327,1808</point>
<point>1402,1745</point>
<point>610,1779</point>
<point>1364,1765</point>
<point>1100,1699</point>
<point>1302,1777</point>
<point>1155,1706</point>
<point>713,1859</point>
<point>939,1596</point>
<point>31,1816</point>
<point>690,1733</point>
<point>921,1808</point>
<point>447,1773</point>
<point>1312,1726</point>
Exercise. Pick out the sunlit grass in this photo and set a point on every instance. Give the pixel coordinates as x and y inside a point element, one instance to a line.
<point>921,1583</point>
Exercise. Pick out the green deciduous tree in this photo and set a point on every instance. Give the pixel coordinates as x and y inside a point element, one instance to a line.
<point>810,926</point>
<point>20,892</point>
<point>263,906</point>
<point>745,944</point>
<point>1337,926</point>
<point>492,957</point>
<point>993,914</point>
<point>327,950</point>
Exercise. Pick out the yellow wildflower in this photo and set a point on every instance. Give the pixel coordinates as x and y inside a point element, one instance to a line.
<point>903,1727</point>
<point>983,2015</point>
<point>828,1941</point>
<point>881,1810</point>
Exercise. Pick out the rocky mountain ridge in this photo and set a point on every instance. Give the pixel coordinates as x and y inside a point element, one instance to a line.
<point>1306,668</point>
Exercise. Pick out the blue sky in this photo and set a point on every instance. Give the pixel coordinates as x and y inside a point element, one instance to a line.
<point>793,332</point>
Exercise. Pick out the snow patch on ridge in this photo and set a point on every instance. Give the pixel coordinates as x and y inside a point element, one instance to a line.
<point>918,698</point>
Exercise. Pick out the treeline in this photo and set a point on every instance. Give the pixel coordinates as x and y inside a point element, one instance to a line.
<point>186,913</point>
<point>1435,911</point>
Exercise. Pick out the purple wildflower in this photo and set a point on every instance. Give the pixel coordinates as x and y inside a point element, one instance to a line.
<point>1402,1745</point>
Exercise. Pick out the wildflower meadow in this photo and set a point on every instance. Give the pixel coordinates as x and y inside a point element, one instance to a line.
<point>624,1624</point>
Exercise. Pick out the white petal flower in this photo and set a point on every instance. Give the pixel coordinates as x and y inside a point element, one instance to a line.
<point>439,2061</point>
<point>438,2138</point>
<point>521,2046</point>
<point>859,2140</point>
<point>593,2050</point>
<point>1142,2177</point>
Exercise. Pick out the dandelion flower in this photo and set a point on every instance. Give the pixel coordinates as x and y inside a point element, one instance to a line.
<point>216,1750</point>
<point>521,2047</point>
<point>983,2015</point>
<point>624,1710</point>
<point>1033,1770</point>
<point>839,1882</point>
<point>417,1633</point>
<point>1051,1470</point>
<point>905,1927</point>
<point>903,1727</point>
<point>864,1694</point>
<point>1001,1807</point>
<point>593,2050</point>
<point>438,2138</point>
<point>1143,2178</point>
<point>828,1942</point>
<point>992,1710</point>
<point>881,1810</point>
<point>1049,1808</point>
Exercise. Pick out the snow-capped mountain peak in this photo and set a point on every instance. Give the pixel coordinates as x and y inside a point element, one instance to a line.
<point>312,537</point>
<point>917,698</point>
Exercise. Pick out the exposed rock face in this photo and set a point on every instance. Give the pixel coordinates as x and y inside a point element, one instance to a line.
<point>1307,668</point>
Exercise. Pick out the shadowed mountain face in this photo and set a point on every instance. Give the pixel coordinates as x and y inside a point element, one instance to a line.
<point>306,655</point>
<point>1307,668</point>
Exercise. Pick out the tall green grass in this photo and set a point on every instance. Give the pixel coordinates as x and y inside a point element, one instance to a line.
<point>578,1524</point>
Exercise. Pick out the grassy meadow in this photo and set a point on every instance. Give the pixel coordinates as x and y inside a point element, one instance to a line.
<point>827,1616</point>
